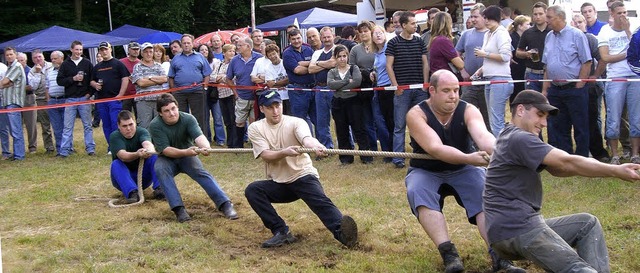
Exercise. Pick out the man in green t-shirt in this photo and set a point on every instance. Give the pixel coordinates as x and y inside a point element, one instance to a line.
<point>128,145</point>
<point>179,140</point>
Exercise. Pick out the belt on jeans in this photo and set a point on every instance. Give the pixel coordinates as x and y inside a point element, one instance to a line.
<point>303,85</point>
<point>534,71</point>
<point>321,84</point>
<point>56,98</point>
<point>570,85</point>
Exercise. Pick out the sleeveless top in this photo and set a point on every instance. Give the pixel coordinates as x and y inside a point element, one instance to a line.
<point>455,135</point>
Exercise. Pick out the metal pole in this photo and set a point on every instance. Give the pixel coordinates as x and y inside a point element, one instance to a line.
<point>253,14</point>
<point>109,8</point>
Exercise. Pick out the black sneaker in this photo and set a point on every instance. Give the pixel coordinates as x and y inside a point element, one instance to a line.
<point>503,265</point>
<point>450,257</point>
<point>399,164</point>
<point>348,233</point>
<point>181,214</point>
<point>229,211</point>
<point>158,193</point>
<point>279,239</point>
<point>133,197</point>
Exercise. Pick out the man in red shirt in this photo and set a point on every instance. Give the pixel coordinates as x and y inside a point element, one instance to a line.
<point>130,61</point>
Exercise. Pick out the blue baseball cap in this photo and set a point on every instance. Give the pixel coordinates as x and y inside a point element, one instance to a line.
<point>269,97</point>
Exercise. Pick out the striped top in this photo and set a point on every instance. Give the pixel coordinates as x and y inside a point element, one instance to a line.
<point>53,88</point>
<point>15,94</point>
<point>407,63</point>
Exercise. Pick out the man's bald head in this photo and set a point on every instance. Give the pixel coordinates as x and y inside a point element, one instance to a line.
<point>442,76</point>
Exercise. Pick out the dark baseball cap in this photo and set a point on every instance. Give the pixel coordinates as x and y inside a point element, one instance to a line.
<point>536,99</point>
<point>104,45</point>
<point>134,45</point>
<point>269,97</point>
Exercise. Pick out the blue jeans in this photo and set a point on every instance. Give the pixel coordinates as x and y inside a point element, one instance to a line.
<point>533,85</point>
<point>496,96</point>
<point>323,116</point>
<point>4,134</point>
<point>126,180</point>
<point>15,129</point>
<point>616,95</point>
<point>218,124</point>
<point>551,246</point>
<point>573,106</point>
<point>380,127</point>
<point>56,118</point>
<point>167,168</point>
<point>261,195</point>
<point>402,104</point>
<point>109,116</point>
<point>70,113</point>
<point>303,104</point>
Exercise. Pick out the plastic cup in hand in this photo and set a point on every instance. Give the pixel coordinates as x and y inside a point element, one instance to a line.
<point>81,74</point>
<point>535,56</point>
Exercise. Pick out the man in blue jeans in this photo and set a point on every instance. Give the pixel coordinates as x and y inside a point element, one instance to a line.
<point>513,195</point>
<point>322,61</point>
<point>13,95</point>
<point>128,145</point>
<point>75,74</point>
<point>296,59</point>
<point>179,140</point>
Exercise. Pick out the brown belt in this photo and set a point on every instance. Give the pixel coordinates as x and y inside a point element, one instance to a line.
<point>535,71</point>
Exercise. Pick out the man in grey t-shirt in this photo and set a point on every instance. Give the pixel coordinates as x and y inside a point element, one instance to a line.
<point>513,195</point>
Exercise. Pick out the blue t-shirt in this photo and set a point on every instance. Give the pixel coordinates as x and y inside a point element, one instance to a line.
<point>469,40</point>
<point>291,57</point>
<point>596,27</point>
<point>241,71</point>
<point>380,64</point>
<point>188,70</point>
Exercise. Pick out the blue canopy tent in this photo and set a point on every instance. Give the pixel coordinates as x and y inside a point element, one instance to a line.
<point>315,17</point>
<point>60,38</point>
<point>160,37</point>
<point>129,31</point>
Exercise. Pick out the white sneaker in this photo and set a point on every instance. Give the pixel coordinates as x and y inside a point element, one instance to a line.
<point>109,153</point>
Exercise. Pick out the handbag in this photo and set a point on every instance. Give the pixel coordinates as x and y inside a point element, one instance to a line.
<point>212,91</point>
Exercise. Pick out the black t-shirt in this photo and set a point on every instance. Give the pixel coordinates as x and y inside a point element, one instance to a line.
<point>407,59</point>
<point>533,38</point>
<point>513,189</point>
<point>111,72</point>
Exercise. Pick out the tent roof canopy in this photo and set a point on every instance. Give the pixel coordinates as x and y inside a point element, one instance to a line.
<point>315,17</point>
<point>130,31</point>
<point>60,38</point>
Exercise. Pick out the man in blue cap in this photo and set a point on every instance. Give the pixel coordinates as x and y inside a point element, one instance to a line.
<point>290,174</point>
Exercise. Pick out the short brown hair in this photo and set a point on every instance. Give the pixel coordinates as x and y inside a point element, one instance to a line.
<point>164,100</point>
<point>270,48</point>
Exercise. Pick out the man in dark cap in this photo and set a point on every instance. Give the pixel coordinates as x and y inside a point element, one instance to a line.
<point>513,195</point>
<point>290,174</point>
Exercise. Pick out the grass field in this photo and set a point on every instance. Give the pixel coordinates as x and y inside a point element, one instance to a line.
<point>44,230</point>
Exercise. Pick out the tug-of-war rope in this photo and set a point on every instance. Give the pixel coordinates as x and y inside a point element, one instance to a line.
<point>112,202</point>
<point>257,89</point>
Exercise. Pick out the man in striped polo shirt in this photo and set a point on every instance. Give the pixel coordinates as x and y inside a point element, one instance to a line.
<point>406,64</point>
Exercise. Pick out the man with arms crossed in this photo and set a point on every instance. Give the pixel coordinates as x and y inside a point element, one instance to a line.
<point>513,195</point>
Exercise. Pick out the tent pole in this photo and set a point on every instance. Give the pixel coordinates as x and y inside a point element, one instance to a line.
<point>109,9</point>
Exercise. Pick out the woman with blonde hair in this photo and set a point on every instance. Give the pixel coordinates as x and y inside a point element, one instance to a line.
<point>518,68</point>
<point>225,95</point>
<point>442,53</point>
<point>160,56</point>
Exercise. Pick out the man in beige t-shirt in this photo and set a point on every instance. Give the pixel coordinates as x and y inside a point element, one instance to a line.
<point>290,174</point>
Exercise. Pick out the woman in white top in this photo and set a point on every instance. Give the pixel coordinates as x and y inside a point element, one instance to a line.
<point>160,56</point>
<point>226,100</point>
<point>496,51</point>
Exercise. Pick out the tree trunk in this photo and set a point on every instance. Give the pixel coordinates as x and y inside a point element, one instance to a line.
<point>78,10</point>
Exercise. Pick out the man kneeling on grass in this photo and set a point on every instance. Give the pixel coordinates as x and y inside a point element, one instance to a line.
<point>290,175</point>
<point>128,145</point>
<point>174,133</point>
<point>513,195</point>
<point>443,126</point>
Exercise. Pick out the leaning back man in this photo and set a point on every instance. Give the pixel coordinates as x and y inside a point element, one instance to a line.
<point>443,126</point>
<point>513,195</point>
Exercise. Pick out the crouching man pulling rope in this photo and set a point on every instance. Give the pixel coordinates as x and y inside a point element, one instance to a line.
<point>290,175</point>
<point>443,126</point>
<point>129,145</point>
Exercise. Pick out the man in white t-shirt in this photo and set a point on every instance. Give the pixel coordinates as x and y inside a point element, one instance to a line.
<point>290,175</point>
<point>276,76</point>
<point>613,42</point>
